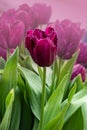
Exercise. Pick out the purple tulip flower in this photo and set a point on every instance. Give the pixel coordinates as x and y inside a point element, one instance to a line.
<point>69,35</point>
<point>79,69</point>
<point>11,34</point>
<point>41,47</point>
<point>82,58</point>
<point>23,14</point>
<point>8,16</point>
<point>43,12</point>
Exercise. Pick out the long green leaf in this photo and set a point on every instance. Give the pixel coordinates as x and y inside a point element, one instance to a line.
<point>77,100</point>
<point>9,79</point>
<point>7,116</point>
<point>16,111</point>
<point>52,107</point>
<point>33,87</point>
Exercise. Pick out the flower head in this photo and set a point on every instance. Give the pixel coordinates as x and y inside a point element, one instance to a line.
<point>79,69</point>
<point>69,35</point>
<point>43,12</point>
<point>11,34</point>
<point>41,47</point>
<point>23,14</point>
<point>82,57</point>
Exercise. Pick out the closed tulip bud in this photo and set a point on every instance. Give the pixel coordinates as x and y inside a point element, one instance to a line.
<point>41,47</point>
<point>79,69</point>
<point>69,35</point>
<point>82,58</point>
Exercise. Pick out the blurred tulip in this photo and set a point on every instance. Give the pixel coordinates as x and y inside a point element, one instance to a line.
<point>69,35</point>
<point>79,69</point>
<point>23,14</point>
<point>82,58</point>
<point>41,47</point>
<point>8,16</point>
<point>43,12</point>
<point>11,35</point>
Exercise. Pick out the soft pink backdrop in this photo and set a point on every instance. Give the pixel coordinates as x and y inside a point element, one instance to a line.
<point>76,10</point>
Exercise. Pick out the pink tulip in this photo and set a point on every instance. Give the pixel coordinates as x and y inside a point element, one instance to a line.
<point>43,12</point>
<point>11,34</point>
<point>82,58</point>
<point>69,35</point>
<point>79,69</point>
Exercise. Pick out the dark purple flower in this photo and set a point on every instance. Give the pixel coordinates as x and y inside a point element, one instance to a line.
<point>52,34</point>
<point>69,35</point>
<point>79,69</point>
<point>82,58</point>
<point>41,47</point>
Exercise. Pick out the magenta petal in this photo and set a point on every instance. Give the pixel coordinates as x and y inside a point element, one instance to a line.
<point>79,69</point>
<point>45,52</point>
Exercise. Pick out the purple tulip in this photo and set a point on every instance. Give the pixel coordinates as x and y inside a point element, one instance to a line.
<point>11,34</point>
<point>41,47</point>
<point>69,35</point>
<point>82,58</point>
<point>23,14</point>
<point>8,16</point>
<point>43,12</point>
<point>52,34</point>
<point>79,69</point>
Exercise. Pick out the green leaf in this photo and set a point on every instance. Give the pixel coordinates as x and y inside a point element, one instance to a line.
<point>76,102</point>
<point>72,92</point>
<point>57,122</point>
<point>68,65</point>
<point>75,122</point>
<point>52,107</point>
<point>67,68</point>
<point>84,115</point>
<point>9,79</point>
<point>33,87</point>
<point>7,116</point>
<point>16,111</point>
<point>36,122</point>
<point>79,83</point>
<point>26,121</point>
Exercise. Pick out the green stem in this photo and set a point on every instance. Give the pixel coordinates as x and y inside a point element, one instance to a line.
<point>8,53</point>
<point>59,70</point>
<point>43,99</point>
<point>53,77</point>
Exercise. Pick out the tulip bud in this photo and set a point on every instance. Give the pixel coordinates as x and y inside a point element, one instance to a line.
<point>41,47</point>
<point>79,69</point>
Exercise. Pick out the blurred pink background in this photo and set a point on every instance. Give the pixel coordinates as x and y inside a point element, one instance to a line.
<point>75,10</point>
